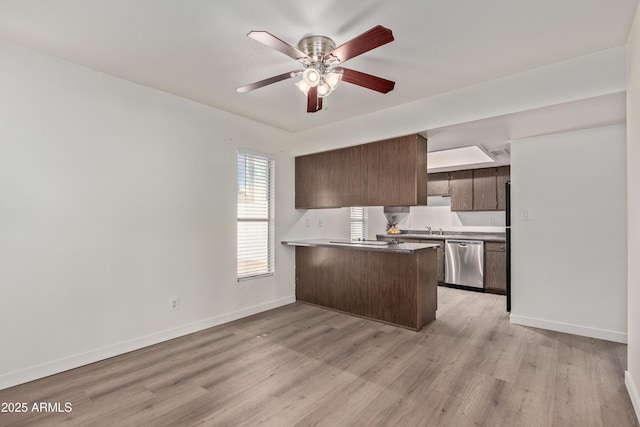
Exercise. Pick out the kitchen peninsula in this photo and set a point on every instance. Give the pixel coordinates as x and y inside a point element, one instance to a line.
<point>392,283</point>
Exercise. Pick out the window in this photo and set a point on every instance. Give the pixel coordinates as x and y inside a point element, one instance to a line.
<point>255,215</point>
<point>358,223</point>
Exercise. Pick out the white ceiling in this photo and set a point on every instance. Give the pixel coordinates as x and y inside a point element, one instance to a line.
<point>198,49</point>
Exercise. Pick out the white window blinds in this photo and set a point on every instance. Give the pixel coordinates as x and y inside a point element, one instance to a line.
<point>255,215</point>
<point>358,223</point>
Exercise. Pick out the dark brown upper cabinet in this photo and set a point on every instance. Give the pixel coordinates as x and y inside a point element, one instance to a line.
<point>461,186</point>
<point>504,176</point>
<point>485,196</point>
<point>475,189</point>
<point>391,172</point>
<point>438,184</point>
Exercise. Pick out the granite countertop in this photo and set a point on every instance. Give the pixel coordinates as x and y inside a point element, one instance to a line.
<point>369,245</point>
<point>424,235</point>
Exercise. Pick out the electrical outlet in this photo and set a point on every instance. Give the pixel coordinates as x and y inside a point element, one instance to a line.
<point>175,304</point>
<point>320,222</point>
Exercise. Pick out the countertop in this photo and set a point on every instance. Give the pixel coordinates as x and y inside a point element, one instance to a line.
<point>405,248</point>
<point>411,234</point>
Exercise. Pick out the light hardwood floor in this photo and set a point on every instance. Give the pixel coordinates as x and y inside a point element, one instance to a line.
<point>304,365</point>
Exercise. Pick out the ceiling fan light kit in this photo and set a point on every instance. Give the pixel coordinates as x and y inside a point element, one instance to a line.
<point>326,82</point>
<point>320,59</point>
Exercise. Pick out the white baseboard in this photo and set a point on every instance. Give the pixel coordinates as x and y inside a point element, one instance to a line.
<point>633,393</point>
<point>40,371</point>
<point>569,328</point>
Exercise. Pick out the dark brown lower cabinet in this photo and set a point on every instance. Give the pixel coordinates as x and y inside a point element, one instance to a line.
<point>440,257</point>
<point>396,288</point>
<point>495,274</point>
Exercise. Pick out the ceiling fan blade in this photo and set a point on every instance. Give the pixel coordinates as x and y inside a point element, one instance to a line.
<point>375,37</point>
<point>265,82</point>
<point>277,44</point>
<point>367,80</point>
<point>314,103</point>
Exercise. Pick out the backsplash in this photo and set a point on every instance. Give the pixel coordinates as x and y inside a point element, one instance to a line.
<point>334,223</point>
<point>438,215</point>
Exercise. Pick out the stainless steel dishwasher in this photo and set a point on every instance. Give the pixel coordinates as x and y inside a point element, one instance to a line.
<point>464,262</point>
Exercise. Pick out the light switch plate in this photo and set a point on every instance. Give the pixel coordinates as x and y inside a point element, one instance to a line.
<point>525,214</point>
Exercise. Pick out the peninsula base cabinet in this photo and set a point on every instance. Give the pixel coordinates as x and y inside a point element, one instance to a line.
<point>439,255</point>
<point>395,288</point>
<point>495,275</point>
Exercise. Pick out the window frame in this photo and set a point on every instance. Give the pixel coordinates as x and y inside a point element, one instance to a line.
<point>358,219</point>
<point>267,246</point>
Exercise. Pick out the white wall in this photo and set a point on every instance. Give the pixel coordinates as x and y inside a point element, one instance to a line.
<point>438,214</point>
<point>114,199</point>
<point>633,203</point>
<point>569,259</point>
<point>320,223</point>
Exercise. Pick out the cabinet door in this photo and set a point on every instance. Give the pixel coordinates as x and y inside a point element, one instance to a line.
<point>355,186</point>
<point>440,257</point>
<point>334,191</point>
<point>461,186</point>
<point>304,182</point>
<point>320,180</point>
<point>421,178</point>
<point>321,184</point>
<point>370,160</point>
<point>396,172</point>
<point>438,184</point>
<point>504,176</point>
<point>495,276</point>
<point>485,197</point>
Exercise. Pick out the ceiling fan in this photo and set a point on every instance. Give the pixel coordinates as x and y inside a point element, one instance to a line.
<point>320,58</point>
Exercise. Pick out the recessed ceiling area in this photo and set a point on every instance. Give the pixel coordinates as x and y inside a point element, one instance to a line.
<point>199,49</point>
<point>495,134</point>
<point>457,157</point>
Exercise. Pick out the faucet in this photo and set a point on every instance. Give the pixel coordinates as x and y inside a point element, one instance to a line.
<point>429,228</point>
<point>441,232</point>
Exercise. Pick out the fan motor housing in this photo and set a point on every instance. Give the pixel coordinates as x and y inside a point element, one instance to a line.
<point>316,47</point>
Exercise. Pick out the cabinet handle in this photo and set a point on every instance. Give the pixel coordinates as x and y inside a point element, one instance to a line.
<point>502,247</point>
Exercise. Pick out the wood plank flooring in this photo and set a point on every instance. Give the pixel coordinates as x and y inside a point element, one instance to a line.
<point>302,365</point>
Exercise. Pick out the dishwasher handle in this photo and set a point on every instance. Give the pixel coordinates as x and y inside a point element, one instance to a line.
<point>464,243</point>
